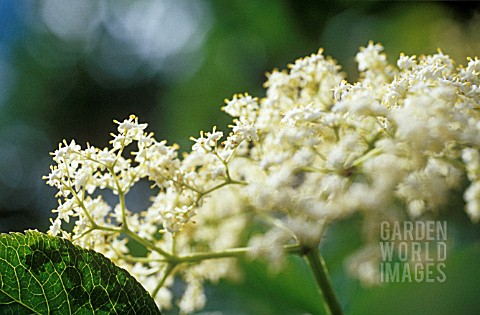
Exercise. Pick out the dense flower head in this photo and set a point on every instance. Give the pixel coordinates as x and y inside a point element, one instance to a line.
<point>317,148</point>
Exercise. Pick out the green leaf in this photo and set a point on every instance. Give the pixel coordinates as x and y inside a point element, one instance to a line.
<point>42,274</point>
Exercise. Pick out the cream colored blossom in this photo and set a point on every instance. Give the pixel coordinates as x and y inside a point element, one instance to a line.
<point>316,149</point>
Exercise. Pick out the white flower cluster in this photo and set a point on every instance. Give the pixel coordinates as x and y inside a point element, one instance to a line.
<point>315,149</point>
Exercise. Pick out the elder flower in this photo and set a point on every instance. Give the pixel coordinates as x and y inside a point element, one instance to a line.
<point>316,149</point>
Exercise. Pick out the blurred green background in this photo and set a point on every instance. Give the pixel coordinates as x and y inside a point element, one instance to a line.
<point>68,68</point>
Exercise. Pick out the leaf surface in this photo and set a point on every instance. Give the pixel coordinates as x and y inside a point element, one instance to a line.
<point>42,274</point>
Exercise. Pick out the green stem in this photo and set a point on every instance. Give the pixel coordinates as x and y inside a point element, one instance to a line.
<point>228,181</point>
<point>149,245</point>
<point>233,252</point>
<point>168,270</point>
<point>319,269</point>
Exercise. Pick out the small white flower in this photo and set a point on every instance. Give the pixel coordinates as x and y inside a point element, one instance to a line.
<point>55,227</point>
<point>405,62</point>
<point>245,130</point>
<point>106,157</point>
<point>472,197</point>
<point>233,141</point>
<point>370,57</point>
<point>214,136</point>
<point>242,105</point>
<point>201,143</point>
<point>341,89</point>
<point>67,151</point>
<point>129,125</point>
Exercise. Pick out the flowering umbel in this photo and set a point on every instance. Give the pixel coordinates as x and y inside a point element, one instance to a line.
<point>314,150</point>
